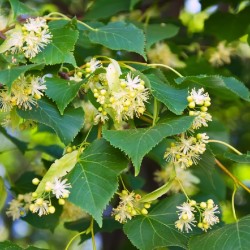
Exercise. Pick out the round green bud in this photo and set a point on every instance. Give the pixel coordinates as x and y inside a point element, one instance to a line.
<point>79,73</point>
<point>61,201</point>
<point>191,113</point>
<point>184,217</point>
<point>191,105</point>
<point>200,225</point>
<point>35,181</point>
<point>207,103</point>
<point>69,149</point>
<point>147,205</point>
<point>88,70</point>
<point>34,194</point>
<point>190,98</point>
<point>203,204</point>
<point>192,203</point>
<point>124,192</point>
<point>210,201</point>
<point>199,136</point>
<point>204,109</point>
<point>52,209</point>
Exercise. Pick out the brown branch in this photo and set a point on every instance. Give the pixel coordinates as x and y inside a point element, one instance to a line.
<point>236,181</point>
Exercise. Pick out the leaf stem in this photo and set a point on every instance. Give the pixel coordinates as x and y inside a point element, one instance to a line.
<point>99,133</point>
<point>236,181</point>
<point>233,197</point>
<point>227,145</point>
<point>73,238</point>
<point>92,234</point>
<point>156,110</point>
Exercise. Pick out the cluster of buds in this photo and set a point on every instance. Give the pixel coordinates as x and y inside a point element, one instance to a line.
<point>42,205</point>
<point>198,103</point>
<point>122,99</point>
<point>20,206</point>
<point>129,206</point>
<point>30,38</point>
<point>24,93</point>
<point>207,215</point>
<point>187,150</point>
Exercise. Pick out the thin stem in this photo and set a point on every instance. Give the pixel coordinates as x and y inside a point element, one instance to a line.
<point>155,117</point>
<point>182,188</point>
<point>227,145</point>
<point>99,133</point>
<point>167,67</point>
<point>49,17</point>
<point>72,239</point>
<point>233,208</point>
<point>146,119</point>
<point>156,65</point>
<point>92,234</point>
<point>124,187</point>
<point>236,181</point>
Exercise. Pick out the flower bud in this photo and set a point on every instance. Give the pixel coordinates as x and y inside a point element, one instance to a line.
<point>35,181</point>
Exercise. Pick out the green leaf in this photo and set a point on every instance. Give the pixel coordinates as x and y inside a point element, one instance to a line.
<point>136,143</point>
<point>8,245</point>
<point>61,91</point>
<point>211,182</point>
<point>66,126</point>
<point>19,8</point>
<point>24,184</point>
<point>94,178</point>
<point>244,158</point>
<point>120,36</point>
<point>157,32</point>
<point>58,169</point>
<point>174,99</point>
<point>60,49</point>
<point>219,84</point>
<point>8,76</point>
<point>21,145</point>
<point>232,236</point>
<point>157,229</point>
<point>104,8</point>
<point>3,193</point>
<point>228,26</point>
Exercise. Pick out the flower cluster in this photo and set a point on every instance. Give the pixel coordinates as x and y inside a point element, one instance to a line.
<point>198,104</point>
<point>187,150</point>
<point>58,188</point>
<point>221,55</point>
<point>129,206</point>
<point>161,53</point>
<point>20,206</point>
<point>121,98</point>
<point>207,215</point>
<point>24,93</point>
<point>30,38</point>
<point>184,178</point>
